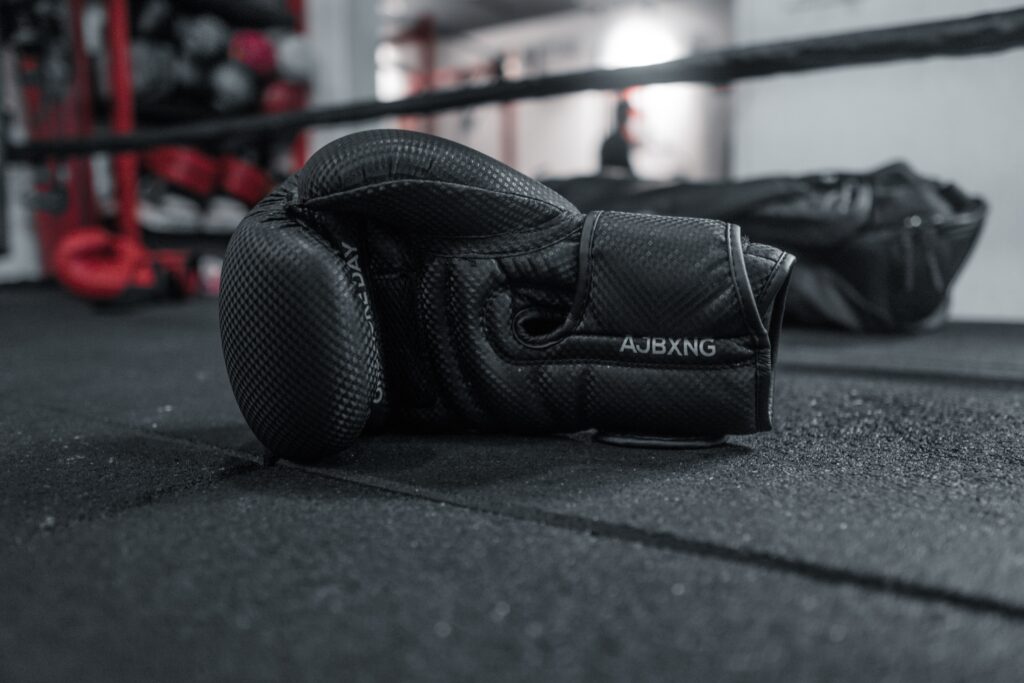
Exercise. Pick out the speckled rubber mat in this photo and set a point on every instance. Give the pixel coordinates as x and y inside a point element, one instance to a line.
<point>879,531</point>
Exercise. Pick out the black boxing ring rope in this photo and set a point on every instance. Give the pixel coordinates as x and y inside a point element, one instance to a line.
<point>973,35</point>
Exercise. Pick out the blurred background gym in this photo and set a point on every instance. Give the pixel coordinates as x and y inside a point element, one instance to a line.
<point>951,119</point>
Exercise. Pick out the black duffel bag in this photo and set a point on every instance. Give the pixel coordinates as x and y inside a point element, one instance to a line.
<point>875,252</point>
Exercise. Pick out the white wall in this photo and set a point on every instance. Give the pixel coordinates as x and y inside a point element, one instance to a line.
<point>681,127</point>
<point>960,119</point>
<point>22,262</point>
<point>343,36</point>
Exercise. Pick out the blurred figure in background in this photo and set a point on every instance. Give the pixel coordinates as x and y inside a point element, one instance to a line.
<point>615,149</point>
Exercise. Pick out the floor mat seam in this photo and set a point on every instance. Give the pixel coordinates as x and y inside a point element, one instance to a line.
<point>622,532</point>
<point>903,375</point>
<point>662,540</point>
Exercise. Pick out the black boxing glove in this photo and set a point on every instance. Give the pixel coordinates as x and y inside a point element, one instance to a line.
<point>403,281</point>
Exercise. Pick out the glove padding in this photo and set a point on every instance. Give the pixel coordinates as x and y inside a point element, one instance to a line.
<point>403,281</point>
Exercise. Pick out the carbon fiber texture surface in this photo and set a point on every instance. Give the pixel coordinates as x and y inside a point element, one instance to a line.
<point>402,281</point>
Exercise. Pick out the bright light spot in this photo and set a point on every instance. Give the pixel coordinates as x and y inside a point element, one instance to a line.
<point>638,40</point>
<point>391,84</point>
<point>391,81</point>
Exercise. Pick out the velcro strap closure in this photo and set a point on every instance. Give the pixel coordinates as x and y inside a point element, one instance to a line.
<point>666,278</point>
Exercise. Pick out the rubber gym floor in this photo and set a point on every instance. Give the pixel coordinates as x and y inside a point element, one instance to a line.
<point>876,534</point>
